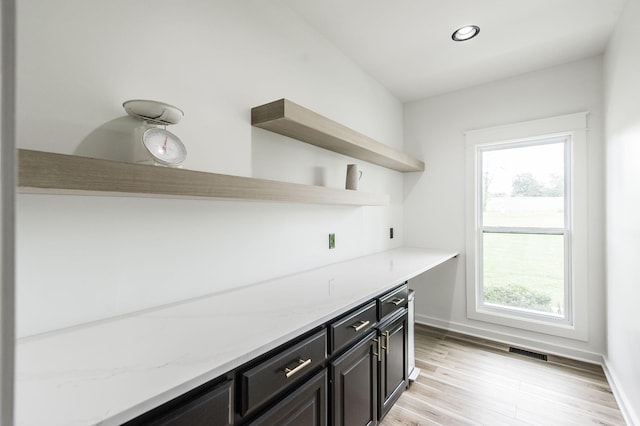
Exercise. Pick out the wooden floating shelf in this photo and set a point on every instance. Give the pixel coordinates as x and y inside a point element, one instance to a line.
<point>292,120</point>
<point>51,173</point>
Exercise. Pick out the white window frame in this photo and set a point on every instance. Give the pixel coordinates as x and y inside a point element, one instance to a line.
<point>574,126</point>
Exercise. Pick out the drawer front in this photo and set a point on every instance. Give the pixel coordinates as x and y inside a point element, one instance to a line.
<point>281,371</point>
<point>214,408</point>
<point>206,405</point>
<point>348,329</point>
<point>307,405</point>
<point>394,300</point>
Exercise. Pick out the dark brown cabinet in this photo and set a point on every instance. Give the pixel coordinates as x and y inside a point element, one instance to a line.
<point>207,405</point>
<point>354,379</point>
<point>347,372</point>
<point>306,406</point>
<point>393,360</point>
<point>370,376</point>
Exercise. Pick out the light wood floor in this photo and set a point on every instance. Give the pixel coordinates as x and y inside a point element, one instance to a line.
<point>470,381</point>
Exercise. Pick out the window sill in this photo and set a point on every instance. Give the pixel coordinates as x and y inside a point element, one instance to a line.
<point>560,327</point>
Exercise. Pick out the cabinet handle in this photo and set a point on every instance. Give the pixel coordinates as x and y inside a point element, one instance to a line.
<point>360,326</point>
<point>397,301</point>
<point>386,348</point>
<point>302,364</point>
<point>377,354</point>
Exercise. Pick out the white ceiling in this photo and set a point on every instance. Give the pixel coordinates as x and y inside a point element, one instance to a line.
<point>406,44</point>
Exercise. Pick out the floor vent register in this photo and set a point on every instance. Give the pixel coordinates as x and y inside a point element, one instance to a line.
<point>528,353</point>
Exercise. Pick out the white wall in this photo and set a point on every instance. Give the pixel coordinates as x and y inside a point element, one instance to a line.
<point>622,68</point>
<point>85,258</point>
<point>434,207</point>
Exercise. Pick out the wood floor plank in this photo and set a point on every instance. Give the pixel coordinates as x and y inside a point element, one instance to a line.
<point>400,416</point>
<point>466,380</point>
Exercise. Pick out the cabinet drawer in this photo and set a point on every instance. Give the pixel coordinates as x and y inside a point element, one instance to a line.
<point>351,327</point>
<point>394,300</point>
<point>307,405</point>
<point>281,371</point>
<point>210,406</point>
<point>214,408</point>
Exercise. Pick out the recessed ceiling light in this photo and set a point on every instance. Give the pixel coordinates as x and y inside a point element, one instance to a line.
<point>465,33</point>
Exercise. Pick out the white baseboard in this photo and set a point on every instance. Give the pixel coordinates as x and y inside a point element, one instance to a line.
<point>512,339</point>
<point>626,407</point>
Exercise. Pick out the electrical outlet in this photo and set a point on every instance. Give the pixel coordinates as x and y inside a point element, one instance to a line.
<point>391,233</point>
<point>332,241</point>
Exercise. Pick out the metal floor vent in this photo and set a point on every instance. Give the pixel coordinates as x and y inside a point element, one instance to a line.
<point>528,353</point>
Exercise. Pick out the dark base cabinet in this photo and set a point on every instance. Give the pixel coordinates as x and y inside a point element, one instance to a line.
<point>207,405</point>
<point>306,406</point>
<point>354,380</point>
<point>370,376</point>
<point>346,372</point>
<point>393,361</point>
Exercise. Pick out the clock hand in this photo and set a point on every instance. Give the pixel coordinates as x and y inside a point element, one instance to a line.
<point>164,146</point>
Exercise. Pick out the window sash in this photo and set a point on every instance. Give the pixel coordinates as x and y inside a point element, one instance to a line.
<point>521,312</point>
<point>523,230</point>
<point>566,318</point>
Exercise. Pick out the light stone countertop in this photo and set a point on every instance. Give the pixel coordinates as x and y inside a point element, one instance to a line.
<point>111,371</point>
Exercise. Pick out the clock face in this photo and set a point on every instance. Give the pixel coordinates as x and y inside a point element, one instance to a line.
<point>165,147</point>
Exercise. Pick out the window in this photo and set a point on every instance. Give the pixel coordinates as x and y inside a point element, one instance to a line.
<point>522,227</point>
<point>525,209</point>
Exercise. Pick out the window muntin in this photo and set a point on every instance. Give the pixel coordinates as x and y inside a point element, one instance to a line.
<point>523,228</point>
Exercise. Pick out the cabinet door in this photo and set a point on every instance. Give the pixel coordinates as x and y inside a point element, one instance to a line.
<point>306,406</point>
<point>354,384</point>
<point>393,361</point>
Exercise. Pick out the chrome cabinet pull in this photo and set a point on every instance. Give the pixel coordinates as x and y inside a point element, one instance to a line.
<point>397,301</point>
<point>360,326</point>
<point>302,364</point>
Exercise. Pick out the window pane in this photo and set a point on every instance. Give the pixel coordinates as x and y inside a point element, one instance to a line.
<point>524,186</point>
<point>524,271</point>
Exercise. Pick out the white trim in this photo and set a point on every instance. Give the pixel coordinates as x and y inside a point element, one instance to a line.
<point>512,340</point>
<point>624,403</point>
<point>630,415</point>
<point>575,126</point>
<point>528,129</point>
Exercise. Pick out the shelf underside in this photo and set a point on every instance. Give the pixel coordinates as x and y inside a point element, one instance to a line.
<point>289,119</point>
<point>51,173</point>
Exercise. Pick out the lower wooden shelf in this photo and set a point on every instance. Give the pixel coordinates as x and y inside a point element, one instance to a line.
<point>50,173</point>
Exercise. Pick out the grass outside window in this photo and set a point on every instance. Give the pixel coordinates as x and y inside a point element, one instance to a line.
<point>524,271</point>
